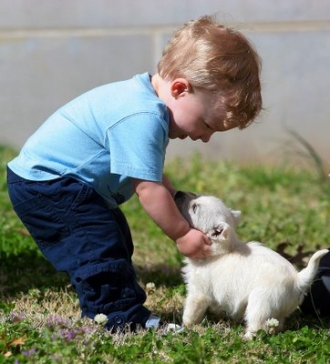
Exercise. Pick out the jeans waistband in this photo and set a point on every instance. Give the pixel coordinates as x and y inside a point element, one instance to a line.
<point>13,177</point>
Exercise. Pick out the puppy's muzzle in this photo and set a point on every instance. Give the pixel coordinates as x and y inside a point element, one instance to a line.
<point>181,196</point>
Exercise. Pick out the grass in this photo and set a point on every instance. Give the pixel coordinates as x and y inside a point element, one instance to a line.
<point>283,207</point>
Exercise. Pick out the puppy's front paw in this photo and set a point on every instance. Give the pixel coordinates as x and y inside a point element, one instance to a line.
<point>188,322</point>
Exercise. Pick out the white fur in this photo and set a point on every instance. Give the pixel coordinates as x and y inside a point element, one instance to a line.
<point>244,280</point>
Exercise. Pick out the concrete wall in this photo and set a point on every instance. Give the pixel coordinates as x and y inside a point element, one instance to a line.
<point>51,51</point>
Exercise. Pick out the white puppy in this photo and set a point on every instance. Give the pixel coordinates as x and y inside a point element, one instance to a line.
<point>244,280</point>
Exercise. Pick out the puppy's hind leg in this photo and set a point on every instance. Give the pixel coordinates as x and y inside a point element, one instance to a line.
<point>194,309</point>
<point>254,323</point>
<point>258,314</point>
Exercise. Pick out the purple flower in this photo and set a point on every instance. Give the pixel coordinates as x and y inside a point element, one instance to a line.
<point>17,317</point>
<point>28,353</point>
<point>53,321</point>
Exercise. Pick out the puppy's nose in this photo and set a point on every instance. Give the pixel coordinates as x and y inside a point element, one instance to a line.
<point>181,196</point>
<point>178,195</point>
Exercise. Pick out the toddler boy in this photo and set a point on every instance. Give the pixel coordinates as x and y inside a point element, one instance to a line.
<point>95,152</point>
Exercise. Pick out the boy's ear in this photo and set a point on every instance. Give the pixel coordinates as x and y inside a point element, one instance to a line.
<point>179,86</point>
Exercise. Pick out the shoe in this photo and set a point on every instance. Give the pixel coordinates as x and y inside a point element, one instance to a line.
<point>154,322</point>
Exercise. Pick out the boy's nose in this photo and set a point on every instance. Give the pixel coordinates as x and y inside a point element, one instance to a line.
<point>205,139</point>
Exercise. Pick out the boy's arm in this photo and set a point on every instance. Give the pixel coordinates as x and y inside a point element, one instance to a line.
<point>167,183</point>
<point>156,199</point>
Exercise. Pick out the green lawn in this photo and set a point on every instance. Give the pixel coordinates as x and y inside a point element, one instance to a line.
<point>39,314</point>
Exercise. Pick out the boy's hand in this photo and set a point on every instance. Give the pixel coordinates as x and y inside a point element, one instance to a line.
<point>194,244</point>
<point>158,202</point>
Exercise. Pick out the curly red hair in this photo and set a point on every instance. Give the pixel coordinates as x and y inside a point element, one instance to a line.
<point>217,59</point>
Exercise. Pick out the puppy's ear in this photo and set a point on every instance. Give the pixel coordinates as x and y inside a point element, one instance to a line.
<point>236,216</point>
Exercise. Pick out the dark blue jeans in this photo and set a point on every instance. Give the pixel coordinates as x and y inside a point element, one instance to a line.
<point>80,235</point>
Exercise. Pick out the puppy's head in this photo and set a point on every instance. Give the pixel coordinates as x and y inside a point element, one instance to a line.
<point>209,215</point>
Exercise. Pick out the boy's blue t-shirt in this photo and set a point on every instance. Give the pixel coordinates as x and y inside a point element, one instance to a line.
<point>104,137</point>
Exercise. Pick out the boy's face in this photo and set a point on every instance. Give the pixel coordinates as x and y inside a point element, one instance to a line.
<point>194,113</point>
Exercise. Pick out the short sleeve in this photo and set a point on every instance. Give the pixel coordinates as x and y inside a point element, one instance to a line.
<point>137,146</point>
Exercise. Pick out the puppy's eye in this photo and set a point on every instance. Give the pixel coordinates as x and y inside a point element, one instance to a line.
<point>194,207</point>
<point>217,232</point>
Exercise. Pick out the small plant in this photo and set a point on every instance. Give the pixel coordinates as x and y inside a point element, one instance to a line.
<point>309,154</point>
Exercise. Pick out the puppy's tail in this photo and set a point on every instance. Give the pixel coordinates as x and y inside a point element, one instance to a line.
<point>306,276</point>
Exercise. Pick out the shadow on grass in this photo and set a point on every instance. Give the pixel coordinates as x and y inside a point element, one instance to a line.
<point>28,270</point>
<point>160,274</point>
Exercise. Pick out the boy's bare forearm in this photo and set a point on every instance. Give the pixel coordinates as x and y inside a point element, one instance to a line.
<point>158,202</point>
<point>168,184</point>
